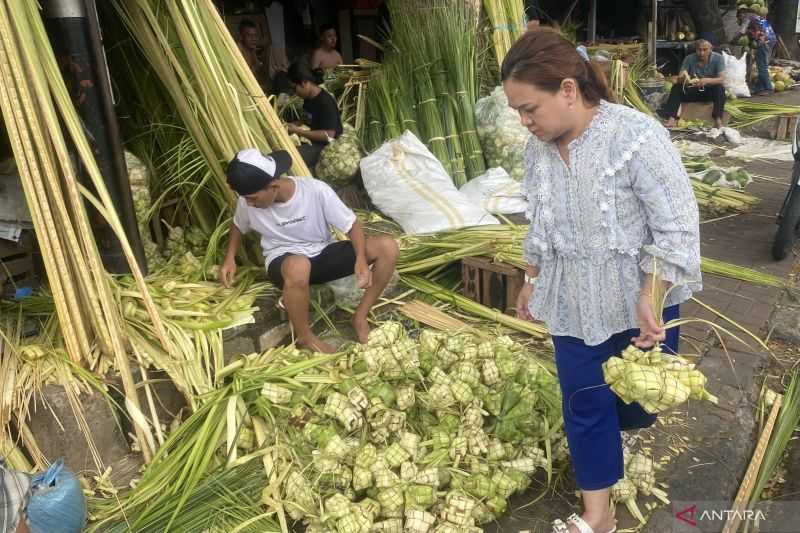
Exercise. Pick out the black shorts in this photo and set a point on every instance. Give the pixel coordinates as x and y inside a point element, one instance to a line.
<point>336,261</point>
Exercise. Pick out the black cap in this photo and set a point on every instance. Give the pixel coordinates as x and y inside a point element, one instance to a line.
<point>250,171</point>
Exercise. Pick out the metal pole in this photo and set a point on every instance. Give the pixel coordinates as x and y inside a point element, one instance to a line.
<point>75,36</point>
<point>593,21</point>
<point>654,34</point>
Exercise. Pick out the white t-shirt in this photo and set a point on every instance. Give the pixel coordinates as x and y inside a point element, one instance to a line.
<point>299,226</point>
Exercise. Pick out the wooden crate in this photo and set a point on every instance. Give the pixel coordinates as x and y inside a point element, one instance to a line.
<point>784,129</point>
<point>16,261</point>
<point>492,284</point>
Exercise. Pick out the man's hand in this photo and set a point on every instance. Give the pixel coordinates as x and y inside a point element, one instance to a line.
<point>291,128</point>
<point>522,302</point>
<point>649,330</point>
<point>363,274</point>
<point>227,272</point>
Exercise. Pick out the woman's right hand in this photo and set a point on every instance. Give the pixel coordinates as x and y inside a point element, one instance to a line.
<point>227,272</point>
<point>523,298</point>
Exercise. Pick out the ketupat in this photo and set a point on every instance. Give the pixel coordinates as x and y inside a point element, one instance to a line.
<point>656,380</point>
<point>339,160</point>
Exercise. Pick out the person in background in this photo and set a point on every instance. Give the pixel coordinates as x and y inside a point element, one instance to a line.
<point>293,216</point>
<point>326,56</point>
<point>700,79</point>
<point>322,113</point>
<point>249,39</point>
<point>759,31</point>
<point>612,215</point>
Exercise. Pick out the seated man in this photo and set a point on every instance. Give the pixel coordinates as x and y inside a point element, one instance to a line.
<point>700,80</point>
<point>326,57</point>
<point>322,114</point>
<point>293,216</point>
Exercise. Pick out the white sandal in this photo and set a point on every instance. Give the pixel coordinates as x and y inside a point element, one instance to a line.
<point>560,527</point>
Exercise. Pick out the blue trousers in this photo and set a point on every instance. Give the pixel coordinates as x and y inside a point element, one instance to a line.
<point>593,414</point>
<point>762,62</point>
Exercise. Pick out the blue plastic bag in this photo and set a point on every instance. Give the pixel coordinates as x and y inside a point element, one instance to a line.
<point>57,504</point>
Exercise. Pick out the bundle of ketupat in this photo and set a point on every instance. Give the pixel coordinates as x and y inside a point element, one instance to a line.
<point>339,160</point>
<point>502,135</point>
<point>433,433</point>
<point>657,381</point>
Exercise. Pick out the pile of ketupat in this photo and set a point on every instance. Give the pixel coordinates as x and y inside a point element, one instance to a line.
<point>419,434</point>
<point>656,380</point>
<point>338,162</point>
<point>432,433</point>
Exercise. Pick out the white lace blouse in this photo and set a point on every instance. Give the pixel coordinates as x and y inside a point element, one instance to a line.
<point>597,225</point>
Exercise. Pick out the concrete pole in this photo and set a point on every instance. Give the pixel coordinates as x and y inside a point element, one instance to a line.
<point>73,28</point>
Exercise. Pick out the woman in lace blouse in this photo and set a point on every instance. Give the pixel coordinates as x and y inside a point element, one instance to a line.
<point>608,199</point>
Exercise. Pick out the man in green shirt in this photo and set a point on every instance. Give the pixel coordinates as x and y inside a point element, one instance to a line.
<point>700,80</point>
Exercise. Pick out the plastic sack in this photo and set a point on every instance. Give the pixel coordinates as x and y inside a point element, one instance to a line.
<point>408,184</point>
<point>736,75</point>
<point>57,504</point>
<point>14,494</point>
<point>502,135</point>
<point>496,192</point>
<point>347,294</point>
<point>729,177</point>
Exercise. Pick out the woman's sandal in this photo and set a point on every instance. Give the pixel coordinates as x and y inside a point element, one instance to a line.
<point>560,527</point>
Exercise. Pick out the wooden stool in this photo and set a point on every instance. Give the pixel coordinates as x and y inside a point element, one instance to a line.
<point>492,284</point>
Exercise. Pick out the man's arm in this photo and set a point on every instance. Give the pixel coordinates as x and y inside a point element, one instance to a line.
<point>316,59</point>
<point>320,136</point>
<point>227,271</point>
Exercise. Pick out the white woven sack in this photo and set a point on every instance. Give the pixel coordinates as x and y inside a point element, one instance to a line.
<point>407,183</point>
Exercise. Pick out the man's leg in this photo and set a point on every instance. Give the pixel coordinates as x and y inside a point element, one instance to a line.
<point>296,271</point>
<point>718,100</point>
<point>670,108</point>
<point>382,255</point>
<point>762,62</point>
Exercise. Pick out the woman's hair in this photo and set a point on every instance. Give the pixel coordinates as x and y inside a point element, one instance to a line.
<point>300,72</point>
<point>545,58</point>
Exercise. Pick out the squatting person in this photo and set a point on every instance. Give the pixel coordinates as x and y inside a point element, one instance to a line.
<point>293,216</point>
<point>608,198</point>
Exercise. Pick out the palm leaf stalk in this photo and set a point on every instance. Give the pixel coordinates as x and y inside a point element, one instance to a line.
<point>509,23</point>
<point>33,94</point>
<point>785,426</point>
<point>405,39</point>
<point>198,62</point>
<point>435,17</point>
<point>199,446</point>
<point>746,113</point>
<point>458,49</point>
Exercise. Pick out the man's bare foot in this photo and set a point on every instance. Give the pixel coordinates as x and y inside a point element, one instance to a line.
<point>361,326</point>
<point>670,123</point>
<point>315,344</point>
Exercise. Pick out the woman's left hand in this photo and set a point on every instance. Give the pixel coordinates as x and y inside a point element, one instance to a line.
<point>649,330</point>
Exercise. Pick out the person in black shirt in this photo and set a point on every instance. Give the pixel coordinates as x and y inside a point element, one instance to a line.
<point>322,114</point>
